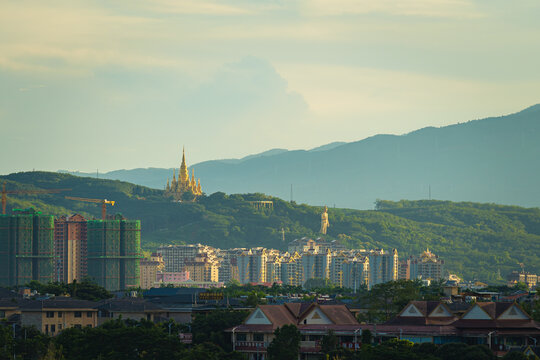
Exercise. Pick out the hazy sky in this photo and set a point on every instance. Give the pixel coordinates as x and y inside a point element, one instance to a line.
<point>125,83</point>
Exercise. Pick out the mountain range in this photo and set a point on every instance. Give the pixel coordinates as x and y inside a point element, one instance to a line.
<point>492,160</point>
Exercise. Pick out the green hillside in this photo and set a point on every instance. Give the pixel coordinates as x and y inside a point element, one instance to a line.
<point>476,240</point>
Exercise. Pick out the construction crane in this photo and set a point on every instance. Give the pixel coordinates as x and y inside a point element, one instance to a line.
<point>24,192</point>
<point>103,202</point>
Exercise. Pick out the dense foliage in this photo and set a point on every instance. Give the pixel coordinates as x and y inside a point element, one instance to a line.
<point>84,290</point>
<point>477,241</point>
<point>286,343</point>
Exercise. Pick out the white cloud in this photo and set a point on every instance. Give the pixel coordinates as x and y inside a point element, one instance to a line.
<point>426,8</point>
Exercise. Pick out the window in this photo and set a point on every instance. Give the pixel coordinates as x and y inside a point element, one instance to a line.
<point>50,314</point>
<point>59,327</point>
<point>53,328</point>
<point>2,314</point>
<point>78,314</point>
<point>60,314</point>
<point>88,314</point>
<point>46,329</point>
<point>241,337</point>
<point>78,326</point>
<point>258,337</point>
<point>89,325</point>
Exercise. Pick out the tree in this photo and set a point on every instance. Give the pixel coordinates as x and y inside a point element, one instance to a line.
<point>385,300</point>
<point>367,337</point>
<point>515,355</point>
<point>286,343</point>
<point>211,326</point>
<point>329,343</point>
<point>462,351</point>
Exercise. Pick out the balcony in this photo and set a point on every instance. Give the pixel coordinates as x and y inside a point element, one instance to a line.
<point>254,346</point>
<point>310,347</point>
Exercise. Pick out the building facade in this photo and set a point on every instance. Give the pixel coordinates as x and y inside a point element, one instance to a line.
<point>26,248</point>
<point>114,253</point>
<point>70,248</point>
<point>383,266</point>
<point>427,266</point>
<point>149,269</point>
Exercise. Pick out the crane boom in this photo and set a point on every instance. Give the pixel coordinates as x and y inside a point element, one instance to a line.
<point>103,202</point>
<point>25,192</point>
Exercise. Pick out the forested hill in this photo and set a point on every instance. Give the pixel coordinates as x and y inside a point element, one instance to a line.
<point>476,240</point>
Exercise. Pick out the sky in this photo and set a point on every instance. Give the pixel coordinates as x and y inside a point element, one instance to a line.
<point>124,84</point>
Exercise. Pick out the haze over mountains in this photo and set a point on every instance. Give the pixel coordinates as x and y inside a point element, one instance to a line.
<point>490,160</point>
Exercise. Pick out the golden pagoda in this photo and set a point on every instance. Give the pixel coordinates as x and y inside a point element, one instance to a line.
<point>183,188</point>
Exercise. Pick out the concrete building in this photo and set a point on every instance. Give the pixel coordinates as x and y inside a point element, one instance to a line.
<point>128,309</point>
<point>70,248</point>
<point>356,272</point>
<point>427,266</point>
<point>273,269</point>
<point>114,252</point>
<point>336,268</point>
<point>228,264</point>
<point>302,245</point>
<point>172,277</point>
<point>175,256</point>
<point>149,270</point>
<point>202,269</point>
<point>404,269</point>
<point>291,269</point>
<point>51,316</point>
<point>26,248</point>
<point>531,280</point>
<point>252,265</point>
<point>316,264</point>
<point>383,266</point>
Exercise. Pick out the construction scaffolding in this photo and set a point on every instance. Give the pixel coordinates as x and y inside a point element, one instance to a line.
<point>130,250</point>
<point>27,248</point>
<point>103,241</point>
<point>114,252</point>
<point>6,251</point>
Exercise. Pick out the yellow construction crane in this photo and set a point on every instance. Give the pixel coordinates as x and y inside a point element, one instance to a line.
<point>24,192</point>
<point>103,202</point>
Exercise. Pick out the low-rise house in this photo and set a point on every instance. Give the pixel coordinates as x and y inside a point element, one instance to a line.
<point>51,316</point>
<point>313,320</point>
<point>128,309</point>
<point>499,325</point>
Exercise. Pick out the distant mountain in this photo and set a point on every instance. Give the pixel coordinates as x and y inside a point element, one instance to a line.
<point>475,240</point>
<point>490,160</point>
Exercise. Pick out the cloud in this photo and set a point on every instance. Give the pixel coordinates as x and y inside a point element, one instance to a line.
<point>243,95</point>
<point>423,8</point>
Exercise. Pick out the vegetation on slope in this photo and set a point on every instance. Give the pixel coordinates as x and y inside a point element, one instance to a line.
<point>476,240</point>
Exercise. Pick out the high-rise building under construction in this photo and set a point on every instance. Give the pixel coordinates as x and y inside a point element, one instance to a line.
<point>26,247</point>
<point>114,253</point>
<point>70,248</point>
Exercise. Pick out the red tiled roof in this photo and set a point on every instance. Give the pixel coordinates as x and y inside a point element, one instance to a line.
<point>339,314</point>
<point>278,315</point>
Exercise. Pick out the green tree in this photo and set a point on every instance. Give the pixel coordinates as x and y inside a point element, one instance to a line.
<point>286,343</point>
<point>367,336</point>
<point>211,326</point>
<point>329,343</point>
<point>515,355</point>
<point>385,300</point>
<point>462,351</point>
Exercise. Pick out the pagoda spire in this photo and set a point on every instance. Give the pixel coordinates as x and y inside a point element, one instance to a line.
<point>183,175</point>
